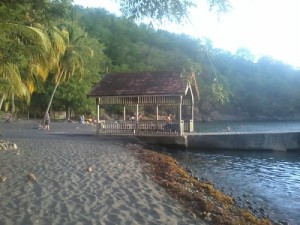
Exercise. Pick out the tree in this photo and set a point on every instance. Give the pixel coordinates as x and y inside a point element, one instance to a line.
<point>19,43</point>
<point>171,10</point>
<point>12,86</point>
<point>24,45</point>
<point>68,61</point>
<point>34,11</point>
<point>72,95</point>
<point>245,54</point>
<point>138,48</point>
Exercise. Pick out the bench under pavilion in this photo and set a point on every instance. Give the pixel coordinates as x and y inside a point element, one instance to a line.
<point>163,92</point>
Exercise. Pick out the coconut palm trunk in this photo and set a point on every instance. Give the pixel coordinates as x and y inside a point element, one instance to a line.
<point>53,93</point>
<point>12,107</point>
<point>2,100</point>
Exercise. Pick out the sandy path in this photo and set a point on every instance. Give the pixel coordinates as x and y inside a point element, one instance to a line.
<point>116,192</point>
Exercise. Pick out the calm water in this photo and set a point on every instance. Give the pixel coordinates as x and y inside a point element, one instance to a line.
<point>251,126</point>
<point>263,181</point>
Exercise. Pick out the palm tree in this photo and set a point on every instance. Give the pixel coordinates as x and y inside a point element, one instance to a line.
<point>4,88</point>
<point>19,43</point>
<point>38,66</point>
<point>68,41</point>
<point>12,86</point>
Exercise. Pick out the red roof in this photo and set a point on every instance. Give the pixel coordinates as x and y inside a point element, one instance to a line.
<point>137,84</point>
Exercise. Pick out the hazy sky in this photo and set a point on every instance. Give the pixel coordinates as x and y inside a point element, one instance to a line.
<point>265,27</point>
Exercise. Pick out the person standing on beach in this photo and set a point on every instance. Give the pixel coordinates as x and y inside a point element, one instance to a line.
<point>47,121</point>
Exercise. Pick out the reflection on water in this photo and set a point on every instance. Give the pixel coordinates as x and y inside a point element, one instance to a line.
<point>271,179</point>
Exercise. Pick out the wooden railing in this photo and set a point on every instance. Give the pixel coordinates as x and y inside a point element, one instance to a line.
<point>143,127</point>
<point>144,100</point>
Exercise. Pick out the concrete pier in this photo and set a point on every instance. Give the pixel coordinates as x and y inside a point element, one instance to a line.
<point>248,141</point>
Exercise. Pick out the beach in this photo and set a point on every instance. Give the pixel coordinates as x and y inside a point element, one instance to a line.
<point>81,178</point>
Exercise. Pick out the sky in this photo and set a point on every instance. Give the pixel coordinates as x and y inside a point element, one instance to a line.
<point>264,27</point>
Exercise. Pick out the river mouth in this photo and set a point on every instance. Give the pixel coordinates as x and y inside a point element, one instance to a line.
<point>264,182</point>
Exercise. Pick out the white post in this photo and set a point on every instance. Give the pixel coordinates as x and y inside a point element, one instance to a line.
<point>156,112</point>
<point>124,113</point>
<point>137,112</point>
<point>181,123</point>
<point>191,127</point>
<point>135,131</point>
<point>98,114</point>
<point>192,114</point>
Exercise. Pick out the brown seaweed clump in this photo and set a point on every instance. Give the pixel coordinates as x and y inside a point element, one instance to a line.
<point>200,197</point>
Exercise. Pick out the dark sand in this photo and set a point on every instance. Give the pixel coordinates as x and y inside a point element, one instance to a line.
<point>117,191</point>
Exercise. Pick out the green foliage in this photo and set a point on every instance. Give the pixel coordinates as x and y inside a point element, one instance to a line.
<point>219,5</point>
<point>138,48</point>
<point>220,93</point>
<point>32,45</point>
<point>267,88</point>
<point>72,95</point>
<point>170,10</point>
<point>227,83</point>
<point>34,11</point>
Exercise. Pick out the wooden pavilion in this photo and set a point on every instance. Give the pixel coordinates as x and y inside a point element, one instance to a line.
<point>136,91</point>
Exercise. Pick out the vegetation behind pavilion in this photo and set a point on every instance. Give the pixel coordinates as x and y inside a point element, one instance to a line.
<point>73,48</point>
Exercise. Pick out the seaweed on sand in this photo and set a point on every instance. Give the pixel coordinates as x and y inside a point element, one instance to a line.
<point>200,197</point>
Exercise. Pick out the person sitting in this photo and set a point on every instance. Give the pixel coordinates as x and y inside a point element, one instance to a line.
<point>82,119</point>
<point>169,118</point>
<point>140,116</point>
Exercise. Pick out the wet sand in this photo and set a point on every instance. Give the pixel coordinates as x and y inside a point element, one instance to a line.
<point>117,191</point>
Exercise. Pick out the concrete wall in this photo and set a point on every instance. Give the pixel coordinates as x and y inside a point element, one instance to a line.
<point>238,141</point>
<point>264,141</point>
<point>171,141</point>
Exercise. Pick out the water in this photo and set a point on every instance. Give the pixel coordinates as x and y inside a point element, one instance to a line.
<point>248,126</point>
<point>263,181</point>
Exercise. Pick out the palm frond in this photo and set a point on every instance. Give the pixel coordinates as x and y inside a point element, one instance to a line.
<point>14,84</point>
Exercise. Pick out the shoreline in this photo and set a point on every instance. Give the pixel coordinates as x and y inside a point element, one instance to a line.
<point>115,191</point>
<point>202,198</point>
<point>196,196</point>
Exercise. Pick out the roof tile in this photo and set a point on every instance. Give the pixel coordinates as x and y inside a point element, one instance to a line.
<point>136,84</point>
